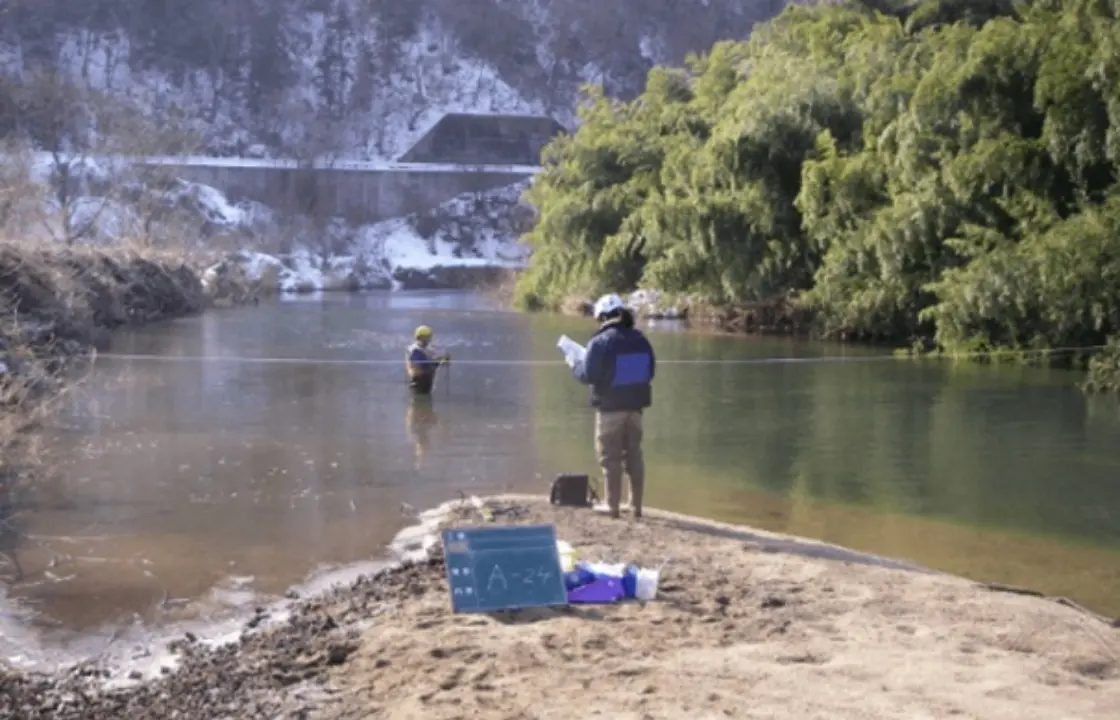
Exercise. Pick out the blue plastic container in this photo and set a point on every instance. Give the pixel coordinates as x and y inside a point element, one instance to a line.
<point>630,581</point>
<point>578,578</point>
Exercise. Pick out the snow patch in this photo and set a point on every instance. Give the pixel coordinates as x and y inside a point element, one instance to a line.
<point>112,201</point>
<point>215,205</point>
<point>471,230</point>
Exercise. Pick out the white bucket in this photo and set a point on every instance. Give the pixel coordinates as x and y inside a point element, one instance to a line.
<point>645,585</point>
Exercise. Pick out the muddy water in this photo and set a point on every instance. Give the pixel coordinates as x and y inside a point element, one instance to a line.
<point>192,488</point>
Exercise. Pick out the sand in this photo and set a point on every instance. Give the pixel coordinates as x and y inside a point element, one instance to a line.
<point>747,625</point>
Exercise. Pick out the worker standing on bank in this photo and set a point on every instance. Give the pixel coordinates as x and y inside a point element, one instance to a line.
<point>619,366</point>
<point>422,363</point>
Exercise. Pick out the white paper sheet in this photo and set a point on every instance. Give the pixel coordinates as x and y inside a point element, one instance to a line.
<point>573,351</point>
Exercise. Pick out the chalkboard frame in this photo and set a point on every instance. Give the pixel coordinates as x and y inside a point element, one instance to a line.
<point>470,549</point>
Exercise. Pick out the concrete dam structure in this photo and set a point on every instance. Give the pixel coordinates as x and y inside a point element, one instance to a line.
<point>460,154</point>
<point>358,196</point>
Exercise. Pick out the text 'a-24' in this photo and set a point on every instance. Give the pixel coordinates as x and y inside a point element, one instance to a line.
<point>503,568</point>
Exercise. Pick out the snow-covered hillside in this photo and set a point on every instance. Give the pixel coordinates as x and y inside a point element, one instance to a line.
<point>361,79</point>
<point>430,82</point>
<point>469,232</point>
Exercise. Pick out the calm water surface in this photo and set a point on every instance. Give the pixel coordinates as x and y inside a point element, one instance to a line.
<point>186,486</point>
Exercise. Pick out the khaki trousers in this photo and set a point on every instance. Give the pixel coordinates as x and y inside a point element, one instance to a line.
<point>618,441</point>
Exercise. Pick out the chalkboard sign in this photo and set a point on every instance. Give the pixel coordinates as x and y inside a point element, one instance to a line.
<point>503,568</point>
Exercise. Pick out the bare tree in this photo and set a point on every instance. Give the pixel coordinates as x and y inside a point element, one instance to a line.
<point>335,72</point>
<point>88,164</point>
<point>21,197</point>
<point>316,155</point>
<point>147,187</point>
<point>67,120</point>
<point>226,45</point>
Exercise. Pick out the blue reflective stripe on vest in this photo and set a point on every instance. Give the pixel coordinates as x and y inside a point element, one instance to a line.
<point>631,369</point>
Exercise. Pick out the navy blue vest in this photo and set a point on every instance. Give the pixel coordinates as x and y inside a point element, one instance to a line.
<point>628,368</point>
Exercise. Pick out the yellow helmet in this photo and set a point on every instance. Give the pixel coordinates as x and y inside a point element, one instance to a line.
<point>423,333</point>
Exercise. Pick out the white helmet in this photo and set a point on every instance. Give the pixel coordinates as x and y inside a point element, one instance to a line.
<point>606,305</point>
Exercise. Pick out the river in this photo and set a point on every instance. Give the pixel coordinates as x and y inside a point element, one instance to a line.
<point>188,487</point>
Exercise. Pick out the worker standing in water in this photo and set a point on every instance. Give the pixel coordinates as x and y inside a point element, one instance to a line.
<point>619,365</point>
<point>422,363</point>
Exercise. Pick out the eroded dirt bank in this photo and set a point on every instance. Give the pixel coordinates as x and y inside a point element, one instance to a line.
<point>742,629</point>
<point>63,297</point>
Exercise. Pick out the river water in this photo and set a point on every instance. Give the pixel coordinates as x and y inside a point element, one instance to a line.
<point>186,487</point>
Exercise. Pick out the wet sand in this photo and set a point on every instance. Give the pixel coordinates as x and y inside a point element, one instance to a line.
<point>747,624</point>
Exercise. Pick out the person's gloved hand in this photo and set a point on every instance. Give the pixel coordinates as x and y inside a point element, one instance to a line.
<point>445,359</point>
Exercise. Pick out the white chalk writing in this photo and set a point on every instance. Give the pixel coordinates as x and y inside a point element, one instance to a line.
<point>497,576</point>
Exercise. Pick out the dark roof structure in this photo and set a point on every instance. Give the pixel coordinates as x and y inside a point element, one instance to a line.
<point>469,139</point>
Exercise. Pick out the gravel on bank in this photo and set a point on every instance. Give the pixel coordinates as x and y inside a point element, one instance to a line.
<point>760,628</point>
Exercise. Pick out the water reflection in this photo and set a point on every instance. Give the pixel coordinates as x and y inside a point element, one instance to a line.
<point>420,418</point>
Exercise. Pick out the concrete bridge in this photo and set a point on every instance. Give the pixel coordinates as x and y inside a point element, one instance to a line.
<point>459,154</point>
<point>360,192</point>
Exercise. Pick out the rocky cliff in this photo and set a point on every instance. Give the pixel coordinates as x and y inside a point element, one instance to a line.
<point>355,78</point>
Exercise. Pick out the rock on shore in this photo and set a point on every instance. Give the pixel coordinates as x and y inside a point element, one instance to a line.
<point>742,628</point>
<point>645,304</point>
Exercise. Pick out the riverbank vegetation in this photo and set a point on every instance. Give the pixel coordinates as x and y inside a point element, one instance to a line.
<point>942,172</point>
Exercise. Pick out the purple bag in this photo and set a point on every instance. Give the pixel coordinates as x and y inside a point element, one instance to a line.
<point>602,591</point>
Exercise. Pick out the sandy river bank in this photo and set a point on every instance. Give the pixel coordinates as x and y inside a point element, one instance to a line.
<point>747,625</point>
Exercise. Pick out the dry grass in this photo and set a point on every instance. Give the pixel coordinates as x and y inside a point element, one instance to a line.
<point>780,315</point>
<point>59,294</point>
<point>579,305</point>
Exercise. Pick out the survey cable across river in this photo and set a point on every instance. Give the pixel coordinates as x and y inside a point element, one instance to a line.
<point>695,361</point>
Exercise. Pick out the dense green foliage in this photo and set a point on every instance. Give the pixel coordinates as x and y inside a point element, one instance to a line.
<point>943,171</point>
